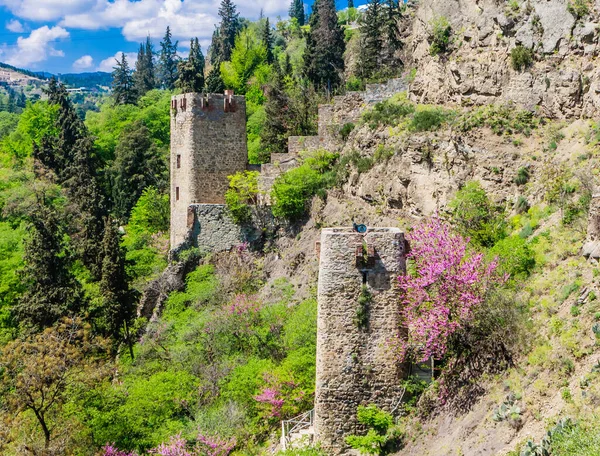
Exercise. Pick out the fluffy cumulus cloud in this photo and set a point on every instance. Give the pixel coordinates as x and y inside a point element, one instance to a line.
<point>46,10</point>
<point>15,26</point>
<point>37,47</point>
<point>109,63</point>
<point>84,62</point>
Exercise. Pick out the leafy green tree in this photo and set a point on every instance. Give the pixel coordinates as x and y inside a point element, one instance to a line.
<point>168,61</point>
<point>151,213</point>
<point>191,71</point>
<point>123,83</point>
<point>267,41</point>
<point>143,77</point>
<point>51,291</point>
<point>276,129</point>
<point>242,193</point>
<point>324,53</point>
<point>137,165</point>
<point>248,62</point>
<point>229,28</point>
<point>297,11</point>
<point>119,299</point>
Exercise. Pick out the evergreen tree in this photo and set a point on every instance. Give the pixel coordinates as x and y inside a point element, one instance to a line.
<point>287,69</point>
<point>191,71</point>
<point>273,136</point>
<point>138,164</point>
<point>297,11</point>
<point>214,81</point>
<point>144,69</point>
<point>119,299</point>
<point>51,290</point>
<point>371,39</point>
<point>214,52</point>
<point>122,83</point>
<point>350,4</point>
<point>324,53</point>
<point>392,13</point>
<point>229,28</point>
<point>168,61</point>
<point>267,41</point>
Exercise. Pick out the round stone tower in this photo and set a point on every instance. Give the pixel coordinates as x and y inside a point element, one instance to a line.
<point>358,317</point>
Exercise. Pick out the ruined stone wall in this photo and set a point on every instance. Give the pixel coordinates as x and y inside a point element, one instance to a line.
<point>591,247</point>
<point>355,365</point>
<point>208,143</point>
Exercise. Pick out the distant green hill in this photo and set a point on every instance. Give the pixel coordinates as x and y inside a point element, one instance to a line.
<point>95,79</point>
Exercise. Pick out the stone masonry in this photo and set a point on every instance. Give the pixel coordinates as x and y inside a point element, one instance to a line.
<point>208,143</point>
<point>355,365</point>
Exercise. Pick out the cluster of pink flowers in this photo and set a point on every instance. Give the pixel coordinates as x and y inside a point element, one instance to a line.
<point>281,398</point>
<point>243,304</point>
<point>447,286</point>
<point>271,396</point>
<point>177,446</point>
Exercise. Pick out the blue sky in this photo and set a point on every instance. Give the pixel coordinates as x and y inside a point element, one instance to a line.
<point>65,36</point>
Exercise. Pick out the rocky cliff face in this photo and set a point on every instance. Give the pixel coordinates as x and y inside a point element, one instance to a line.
<point>562,82</point>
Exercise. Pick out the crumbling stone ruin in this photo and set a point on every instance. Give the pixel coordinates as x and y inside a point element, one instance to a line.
<point>358,319</point>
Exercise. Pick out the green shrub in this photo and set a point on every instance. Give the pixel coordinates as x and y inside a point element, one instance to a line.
<point>151,213</point>
<point>354,159</point>
<point>346,130</point>
<point>575,311</point>
<point>383,153</point>
<point>388,113</point>
<point>521,58</point>
<point>242,193</point>
<point>581,439</point>
<point>381,438</point>
<point>502,119</point>
<point>515,257</point>
<point>440,35</point>
<point>361,319</point>
<point>428,118</point>
<point>476,216</point>
<point>293,190</point>
<point>522,176</point>
<point>522,205</point>
<point>579,8</point>
<point>354,84</point>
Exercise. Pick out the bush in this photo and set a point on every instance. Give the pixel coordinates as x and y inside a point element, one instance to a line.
<point>428,118</point>
<point>515,256</point>
<point>388,113</point>
<point>521,58</point>
<point>381,438</point>
<point>502,119</point>
<point>475,215</point>
<point>522,176</point>
<point>151,213</point>
<point>292,190</point>
<point>579,8</point>
<point>242,193</point>
<point>441,32</point>
<point>346,130</point>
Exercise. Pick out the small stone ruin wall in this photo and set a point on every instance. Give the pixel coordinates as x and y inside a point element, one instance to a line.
<point>355,364</point>
<point>591,248</point>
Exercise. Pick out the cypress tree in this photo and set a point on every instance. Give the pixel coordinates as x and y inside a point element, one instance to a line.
<point>214,82</point>
<point>273,136</point>
<point>138,164</point>
<point>267,41</point>
<point>168,61</point>
<point>287,69</point>
<point>214,52</point>
<point>229,28</point>
<point>371,39</point>
<point>144,69</point>
<point>324,54</point>
<point>392,14</point>
<point>51,290</point>
<point>297,11</point>
<point>119,299</point>
<point>191,71</point>
<point>122,83</point>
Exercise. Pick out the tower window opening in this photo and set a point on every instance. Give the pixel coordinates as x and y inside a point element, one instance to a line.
<point>178,161</point>
<point>176,193</point>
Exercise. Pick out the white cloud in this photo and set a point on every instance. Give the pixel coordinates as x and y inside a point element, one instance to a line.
<point>47,10</point>
<point>15,26</point>
<point>108,64</point>
<point>83,62</point>
<point>37,46</point>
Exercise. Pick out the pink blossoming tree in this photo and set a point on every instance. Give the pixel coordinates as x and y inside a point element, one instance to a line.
<point>445,286</point>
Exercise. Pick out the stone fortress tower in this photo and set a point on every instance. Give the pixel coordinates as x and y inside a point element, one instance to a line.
<point>355,365</point>
<point>208,143</point>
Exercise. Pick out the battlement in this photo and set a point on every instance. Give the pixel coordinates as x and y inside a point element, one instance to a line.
<point>208,143</point>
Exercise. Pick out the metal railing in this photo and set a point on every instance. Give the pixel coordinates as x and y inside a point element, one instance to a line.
<point>295,425</point>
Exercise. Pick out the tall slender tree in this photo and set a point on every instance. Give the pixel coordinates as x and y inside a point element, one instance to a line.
<point>168,61</point>
<point>122,82</point>
<point>191,71</point>
<point>392,13</point>
<point>371,39</point>
<point>119,298</point>
<point>297,11</point>
<point>273,136</point>
<point>214,81</point>
<point>324,53</point>
<point>267,40</point>
<point>229,28</point>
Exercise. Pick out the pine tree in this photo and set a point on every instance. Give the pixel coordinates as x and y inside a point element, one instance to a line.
<point>229,28</point>
<point>144,78</point>
<point>297,11</point>
<point>138,164</point>
<point>371,40</point>
<point>214,82</point>
<point>267,41</point>
<point>51,290</point>
<point>122,83</point>
<point>350,4</point>
<point>214,51</point>
<point>119,299</point>
<point>392,14</point>
<point>168,61</point>
<point>191,71</point>
<point>273,136</point>
<point>324,54</point>
<point>286,68</point>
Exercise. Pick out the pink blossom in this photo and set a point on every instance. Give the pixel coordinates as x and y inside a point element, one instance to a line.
<point>440,297</point>
<point>215,446</point>
<point>177,446</point>
<point>111,450</point>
